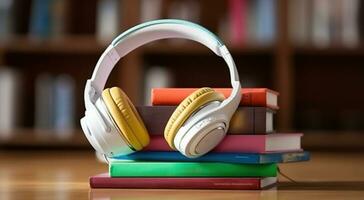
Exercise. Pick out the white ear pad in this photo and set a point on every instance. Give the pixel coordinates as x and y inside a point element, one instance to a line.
<point>200,134</point>
<point>110,142</point>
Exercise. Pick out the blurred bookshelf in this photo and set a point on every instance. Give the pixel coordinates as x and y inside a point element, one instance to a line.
<point>318,81</point>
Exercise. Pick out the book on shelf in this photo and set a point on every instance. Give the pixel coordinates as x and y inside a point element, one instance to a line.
<point>44,101</point>
<point>299,21</point>
<point>266,21</point>
<point>55,104</point>
<point>231,183</point>
<point>246,120</point>
<point>150,10</point>
<point>10,109</point>
<point>107,19</point>
<point>64,114</point>
<point>277,142</point>
<point>187,10</point>
<point>350,26</point>
<point>237,19</point>
<point>6,18</point>
<point>324,23</point>
<point>239,158</point>
<point>258,97</point>
<point>48,18</point>
<point>119,168</point>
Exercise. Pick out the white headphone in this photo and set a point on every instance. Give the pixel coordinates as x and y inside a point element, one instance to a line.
<point>200,132</point>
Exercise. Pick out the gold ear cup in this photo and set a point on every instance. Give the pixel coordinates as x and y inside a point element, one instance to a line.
<point>186,108</point>
<point>126,117</point>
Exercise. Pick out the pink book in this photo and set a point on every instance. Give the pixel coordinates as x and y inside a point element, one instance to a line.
<point>105,181</point>
<point>277,142</point>
<point>237,15</point>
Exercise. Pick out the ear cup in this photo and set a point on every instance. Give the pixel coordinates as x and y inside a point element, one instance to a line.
<point>186,108</point>
<point>126,117</point>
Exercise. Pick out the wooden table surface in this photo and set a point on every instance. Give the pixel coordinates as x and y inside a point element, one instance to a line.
<point>64,175</point>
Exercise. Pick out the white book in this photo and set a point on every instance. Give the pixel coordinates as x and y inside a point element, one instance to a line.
<point>156,77</point>
<point>350,25</point>
<point>64,106</point>
<point>108,19</point>
<point>321,23</point>
<point>9,101</point>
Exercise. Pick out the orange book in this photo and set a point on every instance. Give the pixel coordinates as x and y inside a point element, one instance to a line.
<point>254,97</point>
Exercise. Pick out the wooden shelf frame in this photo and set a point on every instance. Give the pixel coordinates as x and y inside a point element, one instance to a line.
<point>130,69</point>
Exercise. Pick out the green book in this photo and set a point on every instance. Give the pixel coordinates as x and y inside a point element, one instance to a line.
<point>189,169</point>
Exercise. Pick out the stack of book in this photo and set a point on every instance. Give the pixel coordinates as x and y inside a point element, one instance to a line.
<point>246,159</point>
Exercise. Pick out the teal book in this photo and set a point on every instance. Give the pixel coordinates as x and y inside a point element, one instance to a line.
<point>189,169</point>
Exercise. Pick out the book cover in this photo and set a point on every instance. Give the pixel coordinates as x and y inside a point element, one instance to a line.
<point>242,158</point>
<point>243,143</point>
<point>254,183</point>
<point>258,97</point>
<point>246,120</point>
<point>119,168</point>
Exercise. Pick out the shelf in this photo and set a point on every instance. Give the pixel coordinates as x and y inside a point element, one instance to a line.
<point>333,140</point>
<point>329,51</point>
<point>83,44</point>
<point>192,48</point>
<point>43,138</point>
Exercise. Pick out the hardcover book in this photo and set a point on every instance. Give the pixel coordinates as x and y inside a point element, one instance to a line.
<point>279,142</point>
<point>119,168</point>
<point>256,97</point>
<point>246,120</point>
<point>242,158</point>
<point>230,183</point>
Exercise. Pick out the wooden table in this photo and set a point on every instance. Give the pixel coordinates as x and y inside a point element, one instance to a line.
<point>64,175</point>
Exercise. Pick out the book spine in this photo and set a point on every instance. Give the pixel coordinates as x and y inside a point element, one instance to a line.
<point>64,107</point>
<point>246,120</point>
<point>250,96</point>
<point>190,169</point>
<point>230,144</point>
<point>266,21</point>
<point>238,158</point>
<point>210,157</point>
<point>321,23</point>
<point>107,21</point>
<point>236,21</point>
<point>177,183</point>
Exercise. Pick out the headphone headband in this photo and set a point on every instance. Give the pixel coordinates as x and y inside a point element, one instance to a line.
<point>156,30</point>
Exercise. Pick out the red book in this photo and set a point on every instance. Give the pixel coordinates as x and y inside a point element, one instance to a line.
<point>282,142</point>
<point>105,181</point>
<point>256,97</point>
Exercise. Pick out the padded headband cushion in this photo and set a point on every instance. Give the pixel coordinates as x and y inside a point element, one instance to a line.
<point>126,117</point>
<point>187,107</point>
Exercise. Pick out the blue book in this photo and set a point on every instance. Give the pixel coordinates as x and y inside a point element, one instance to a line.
<point>266,21</point>
<point>40,16</point>
<point>242,158</point>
